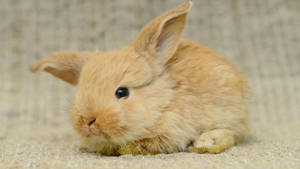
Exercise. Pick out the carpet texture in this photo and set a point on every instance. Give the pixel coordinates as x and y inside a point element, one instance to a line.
<point>261,37</point>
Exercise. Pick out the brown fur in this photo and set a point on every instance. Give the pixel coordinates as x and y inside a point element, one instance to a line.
<point>180,93</point>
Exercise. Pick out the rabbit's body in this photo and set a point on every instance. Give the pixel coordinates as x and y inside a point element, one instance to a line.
<point>211,94</point>
<point>159,94</point>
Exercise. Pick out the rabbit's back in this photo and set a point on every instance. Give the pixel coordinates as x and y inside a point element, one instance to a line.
<point>204,72</point>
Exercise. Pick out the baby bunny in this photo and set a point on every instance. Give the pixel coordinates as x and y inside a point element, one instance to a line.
<point>158,94</point>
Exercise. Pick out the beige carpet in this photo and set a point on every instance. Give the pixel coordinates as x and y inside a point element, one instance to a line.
<point>261,36</point>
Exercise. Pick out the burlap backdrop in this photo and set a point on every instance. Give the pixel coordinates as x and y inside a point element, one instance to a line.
<point>260,36</point>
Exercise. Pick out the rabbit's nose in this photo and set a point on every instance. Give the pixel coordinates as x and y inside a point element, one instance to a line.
<point>91,122</point>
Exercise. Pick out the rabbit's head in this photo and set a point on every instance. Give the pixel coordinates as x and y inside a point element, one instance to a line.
<point>122,94</point>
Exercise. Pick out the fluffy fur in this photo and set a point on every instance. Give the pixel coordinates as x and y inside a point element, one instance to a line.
<point>183,96</point>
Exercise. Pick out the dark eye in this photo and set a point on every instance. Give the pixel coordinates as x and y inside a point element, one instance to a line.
<point>122,92</point>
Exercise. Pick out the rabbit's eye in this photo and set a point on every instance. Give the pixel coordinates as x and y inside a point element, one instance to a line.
<point>122,92</point>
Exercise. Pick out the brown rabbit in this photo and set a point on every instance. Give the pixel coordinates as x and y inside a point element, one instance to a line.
<point>159,94</point>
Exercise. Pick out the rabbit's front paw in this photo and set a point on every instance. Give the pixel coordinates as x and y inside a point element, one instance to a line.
<point>214,142</point>
<point>132,148</point>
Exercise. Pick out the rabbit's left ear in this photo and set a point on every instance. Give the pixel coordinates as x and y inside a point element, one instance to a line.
<point>65,65</point>
<point>160,37</point>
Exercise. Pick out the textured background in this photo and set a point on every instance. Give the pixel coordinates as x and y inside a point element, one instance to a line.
<point>262,37</point>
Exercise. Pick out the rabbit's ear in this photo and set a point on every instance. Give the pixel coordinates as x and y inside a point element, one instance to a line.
<point>162,35</point>
<point>65,65</point>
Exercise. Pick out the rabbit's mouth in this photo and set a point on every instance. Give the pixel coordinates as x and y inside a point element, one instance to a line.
<point>103,127</point>
<point>93,132</point>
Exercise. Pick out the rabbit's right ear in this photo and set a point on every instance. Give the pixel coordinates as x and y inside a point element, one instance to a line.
<point>65,65</point>
<point>160,37</point>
